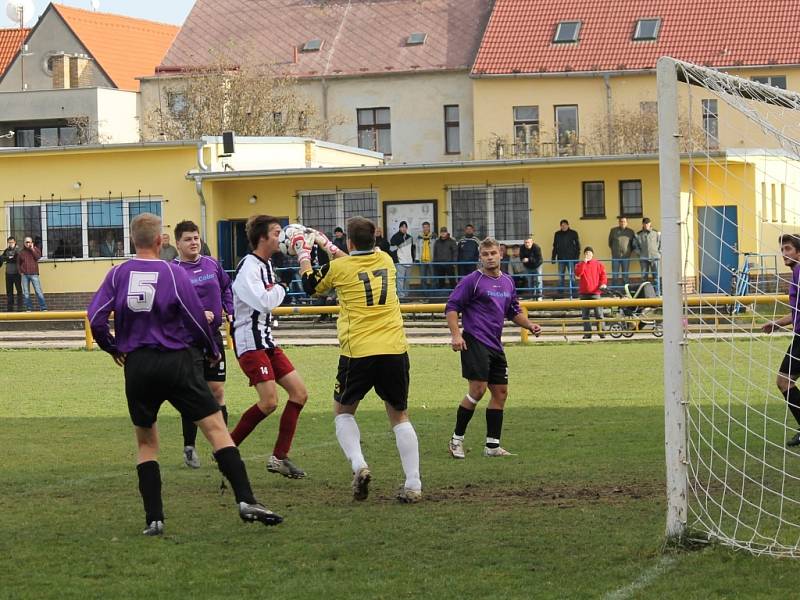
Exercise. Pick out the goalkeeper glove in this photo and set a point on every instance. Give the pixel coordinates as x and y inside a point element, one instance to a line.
<point>323,242</point>
<point>301,247</point>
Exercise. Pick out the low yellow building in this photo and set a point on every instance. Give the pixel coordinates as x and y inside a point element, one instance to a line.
<point>75,199</point>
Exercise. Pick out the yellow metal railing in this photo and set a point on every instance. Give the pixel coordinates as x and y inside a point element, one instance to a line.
<point>527,307</point>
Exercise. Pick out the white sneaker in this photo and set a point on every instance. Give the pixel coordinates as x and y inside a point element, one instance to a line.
<point>408,496</point>
<point>456,448</point>
<point>190,458</point>
<point>361,481</point>
<point>496,452</point>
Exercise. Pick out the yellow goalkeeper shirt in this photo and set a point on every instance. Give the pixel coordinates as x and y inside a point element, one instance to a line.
<point>369,322</point>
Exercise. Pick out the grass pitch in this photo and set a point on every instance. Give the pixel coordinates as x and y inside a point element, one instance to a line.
<point>578,513</point>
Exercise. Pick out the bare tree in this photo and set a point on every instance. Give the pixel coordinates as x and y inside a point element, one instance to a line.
<point>627,131</point>
<point>250,100</point>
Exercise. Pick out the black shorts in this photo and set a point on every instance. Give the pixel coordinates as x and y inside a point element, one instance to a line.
<point>481,363</point>
<point>153,376</point>
<point>791,361</point>
<point>387,373</point>
<point>217,372</point>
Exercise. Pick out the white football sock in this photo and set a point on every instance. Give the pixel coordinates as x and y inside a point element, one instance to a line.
<point>408,446</point>
<point>349,437</point>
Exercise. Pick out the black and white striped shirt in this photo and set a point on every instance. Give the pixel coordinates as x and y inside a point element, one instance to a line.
<point>256,293</point>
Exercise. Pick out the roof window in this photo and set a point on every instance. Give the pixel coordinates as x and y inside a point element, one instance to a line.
<point>566,32</point>
<point>647,29</point>
<point>312,46</point>
<point>416,39</point>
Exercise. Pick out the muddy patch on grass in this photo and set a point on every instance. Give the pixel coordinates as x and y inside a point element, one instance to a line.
<point>553,494</point>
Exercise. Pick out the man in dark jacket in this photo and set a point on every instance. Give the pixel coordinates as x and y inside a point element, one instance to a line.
<point>531,257</point>
<point>468,251</point>
<point>339,240</point>
<point>622,242</point>
<point>380,241</point>
<point>28,266</point>
<point>445,250</point>
<point>13,278</point>
<point>566,249</point>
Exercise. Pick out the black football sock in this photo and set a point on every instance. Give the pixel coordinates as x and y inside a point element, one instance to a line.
<point>224,410</point>
<point>494,426</point>
<point>150,488</point>
<point>231,466</point>
<point>463,417</point>
<point>189,432</point>
<point>793,399</point>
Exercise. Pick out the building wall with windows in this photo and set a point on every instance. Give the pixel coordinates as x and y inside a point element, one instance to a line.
<point>520,113</point>
<point>77,204</point>
<point>402,115</point>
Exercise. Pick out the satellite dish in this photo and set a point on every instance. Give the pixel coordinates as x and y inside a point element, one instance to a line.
<point>20,11</point>
<point>95,5</point>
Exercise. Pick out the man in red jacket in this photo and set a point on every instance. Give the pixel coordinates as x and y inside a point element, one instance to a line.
<point>591,275</point>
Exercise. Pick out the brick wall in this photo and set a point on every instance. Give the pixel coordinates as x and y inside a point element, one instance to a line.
<point>70,301</point>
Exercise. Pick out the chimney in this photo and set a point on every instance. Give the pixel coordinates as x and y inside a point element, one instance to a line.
<point>61,72</point>
<point>80,74</point>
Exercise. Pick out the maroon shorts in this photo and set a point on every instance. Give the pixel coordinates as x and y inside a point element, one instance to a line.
<point>265,365</point>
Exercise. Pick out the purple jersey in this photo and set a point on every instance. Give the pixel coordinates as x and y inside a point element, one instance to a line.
<point>212,285</point>
<point>485,303</point>
<point>793,289</point>
<point>154,306</point>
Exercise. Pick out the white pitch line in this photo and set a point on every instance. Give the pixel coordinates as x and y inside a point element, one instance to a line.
<point>648,576</point>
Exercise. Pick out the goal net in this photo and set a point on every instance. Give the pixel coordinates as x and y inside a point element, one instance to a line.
<point>729,151</point>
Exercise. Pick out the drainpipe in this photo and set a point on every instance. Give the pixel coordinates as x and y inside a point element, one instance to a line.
<point>609,113</point>
<point>198,186</point>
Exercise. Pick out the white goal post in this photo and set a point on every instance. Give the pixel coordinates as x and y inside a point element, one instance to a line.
<point>729,171</point>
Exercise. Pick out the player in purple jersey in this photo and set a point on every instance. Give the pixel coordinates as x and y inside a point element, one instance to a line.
<point>485,299</point>
<point>160,331</point>
<point>790,367</point>
<point>213,286</point>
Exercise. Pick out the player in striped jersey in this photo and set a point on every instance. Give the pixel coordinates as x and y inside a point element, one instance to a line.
<point>256,292</point>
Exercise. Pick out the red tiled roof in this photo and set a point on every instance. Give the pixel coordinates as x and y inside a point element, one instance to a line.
<point>359,36</point>
<point>719,33</point>
<point>10,41</point>
<point>124,47</point>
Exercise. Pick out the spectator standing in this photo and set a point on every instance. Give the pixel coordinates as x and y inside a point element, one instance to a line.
<point>108,247</point>
<point>339,240</point>
<point>402,244</point>
<point>468,251</point>
<point>530,255</point>
<point>648,243</point>
<point>204,249</point>
<point>167,252</point>
<point>622,241</point>
<point>566,249</point>
<point>504,259</point>
<point>13,279</point>
<point>380,241</point>
<point>425,243</point>
<point>28,267</point>
<point>445,250</point>
<point>516,269</point>
<point>592,280</point>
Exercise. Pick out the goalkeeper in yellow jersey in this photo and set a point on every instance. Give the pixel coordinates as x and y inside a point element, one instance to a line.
<point>372,344</point>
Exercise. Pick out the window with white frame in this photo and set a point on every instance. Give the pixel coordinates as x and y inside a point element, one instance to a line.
<point>72,229</point>
<point>500,211</point>
<point>326,210</point>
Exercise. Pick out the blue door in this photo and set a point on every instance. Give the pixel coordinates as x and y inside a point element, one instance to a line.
<point>719,253</point>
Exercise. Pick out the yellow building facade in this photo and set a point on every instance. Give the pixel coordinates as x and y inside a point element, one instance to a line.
<point>80,192</point>
<point>521,113</point>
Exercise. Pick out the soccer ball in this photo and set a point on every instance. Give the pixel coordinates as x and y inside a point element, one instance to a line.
<point>285,238</point>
